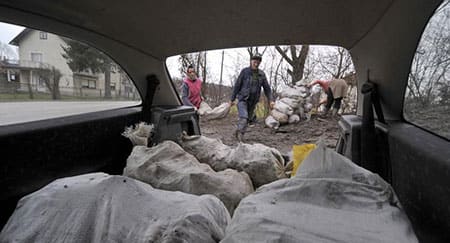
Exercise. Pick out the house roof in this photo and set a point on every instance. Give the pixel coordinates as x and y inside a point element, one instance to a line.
<point>24,33</point>
<point>20,36</point>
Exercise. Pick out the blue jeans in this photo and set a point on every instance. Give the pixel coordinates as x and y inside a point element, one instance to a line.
<point>246,110</point>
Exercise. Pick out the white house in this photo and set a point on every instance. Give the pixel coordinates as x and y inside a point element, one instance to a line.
<point>40,50</point>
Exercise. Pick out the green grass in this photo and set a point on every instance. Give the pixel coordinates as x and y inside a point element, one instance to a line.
<point>259,110</point>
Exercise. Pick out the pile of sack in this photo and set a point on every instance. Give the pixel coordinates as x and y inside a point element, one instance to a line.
<point>262,163</point>
<point>294,104</point>
<point>202,165</point>
<point>329,198</point>
<point>167,166</point>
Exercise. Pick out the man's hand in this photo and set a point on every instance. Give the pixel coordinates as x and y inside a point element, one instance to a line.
<point>311,84</point>
<point>323,101</point>
<point>271,104</point>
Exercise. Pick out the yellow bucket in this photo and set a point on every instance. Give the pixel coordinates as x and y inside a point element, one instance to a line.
<point>299,153</point>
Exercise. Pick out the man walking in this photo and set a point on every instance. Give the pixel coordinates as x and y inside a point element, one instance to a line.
<point>247,89</point>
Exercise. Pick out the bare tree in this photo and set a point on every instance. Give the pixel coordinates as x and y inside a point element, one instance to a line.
<point>6,52</point>
<point>252,50</point>
<point>198,60</point>
<point>221,74</point>
<point>427,80</point>
<point>335,62</point>
<point>51,78</point>
<point>297,62</point>
<point>30,88</point>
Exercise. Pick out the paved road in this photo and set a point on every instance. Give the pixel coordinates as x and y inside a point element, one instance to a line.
<point>19,112</point>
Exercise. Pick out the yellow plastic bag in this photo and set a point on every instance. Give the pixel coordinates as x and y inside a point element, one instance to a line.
<point>299,153</point>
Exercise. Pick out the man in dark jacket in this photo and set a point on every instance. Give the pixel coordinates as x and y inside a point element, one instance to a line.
<point>247,90</point>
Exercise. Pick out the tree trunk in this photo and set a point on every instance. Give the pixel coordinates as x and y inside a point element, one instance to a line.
<point>56,95</point>
<point>30,88</point>
<point>221,80</point>
<point>108,81</point>
<point>301,62</point>
<point>204,68</point>
<point>297,63</point>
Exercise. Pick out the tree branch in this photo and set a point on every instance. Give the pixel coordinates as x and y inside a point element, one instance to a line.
<point>283,54</point>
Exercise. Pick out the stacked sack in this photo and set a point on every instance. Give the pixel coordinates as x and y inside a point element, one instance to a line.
<point>294,104</point>
<point>262,164</point>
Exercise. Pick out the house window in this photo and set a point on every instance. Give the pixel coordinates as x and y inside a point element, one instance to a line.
<point>41,81</point>
<point>113,86</point>
<point>36,57</point>
<point>43,35</point>
<point>89,84</point>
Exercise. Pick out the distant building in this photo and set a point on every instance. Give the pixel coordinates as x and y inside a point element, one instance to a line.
<point>40,50</point>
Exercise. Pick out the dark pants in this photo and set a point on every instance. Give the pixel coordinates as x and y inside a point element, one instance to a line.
<point>330,100</point>
<point>246,110</point>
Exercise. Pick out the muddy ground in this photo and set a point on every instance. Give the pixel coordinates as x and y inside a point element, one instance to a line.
<point>282,139</point>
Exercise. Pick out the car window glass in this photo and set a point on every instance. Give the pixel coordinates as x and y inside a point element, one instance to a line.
<point>43,75</point>
<point>427,101</point>
<point>219,69</point>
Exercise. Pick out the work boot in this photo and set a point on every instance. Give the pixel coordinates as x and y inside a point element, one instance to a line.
<point>239,136</point>
<point>324,114</point>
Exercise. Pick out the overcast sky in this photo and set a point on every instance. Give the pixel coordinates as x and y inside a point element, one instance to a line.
<point>214,58</point>
<point>8,32</point>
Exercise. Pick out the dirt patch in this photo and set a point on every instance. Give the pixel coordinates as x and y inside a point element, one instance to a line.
<point>282,139</point>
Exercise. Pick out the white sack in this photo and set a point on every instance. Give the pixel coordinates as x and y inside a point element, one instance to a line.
<point>301,112</point>
<point>329,200</point>
<point>263,164</point>
<point>167,166</point>
<point>293,119</point>
<point>290,102</point>
<point>304,82</point>
<point>307,107</point>
<point>102,208</point>
<point>138,134</point>
<point>280,117</point>
<point>219,112</point>
<point>303,91</point>
<point>290,93</point>
<point>204,108</point>
<point>271,122</point>
<point>316,92</point>
<point>283,108</point>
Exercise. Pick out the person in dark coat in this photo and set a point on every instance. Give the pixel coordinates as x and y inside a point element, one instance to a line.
<point>247,90</point>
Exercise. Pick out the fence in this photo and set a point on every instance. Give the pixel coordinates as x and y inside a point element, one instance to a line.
<point>23,91</point>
